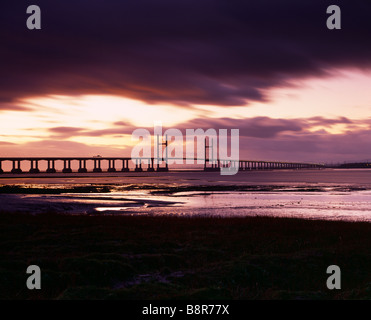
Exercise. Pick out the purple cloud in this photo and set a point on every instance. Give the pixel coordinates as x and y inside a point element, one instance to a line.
<point>182,52</point>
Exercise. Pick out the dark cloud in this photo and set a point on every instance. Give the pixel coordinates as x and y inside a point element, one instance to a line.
<point>323,121</point>
<point>220,52</point>
<point>261,127</point>
<point>286,144</point>
<point>66,130</point>
<point>309,147</point>
<point>257,127</point>
<point>122,123</point>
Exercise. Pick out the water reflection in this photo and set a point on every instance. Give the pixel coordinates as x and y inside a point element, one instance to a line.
<point>330,204</point>
<point>328,194</point>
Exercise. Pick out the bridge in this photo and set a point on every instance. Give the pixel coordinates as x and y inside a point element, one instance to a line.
<point>140,164</point>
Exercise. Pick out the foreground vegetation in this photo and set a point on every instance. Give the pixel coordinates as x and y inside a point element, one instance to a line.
<point>133,257</point>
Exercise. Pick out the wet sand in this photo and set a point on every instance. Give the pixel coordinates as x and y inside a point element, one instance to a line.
<point>308,194</point>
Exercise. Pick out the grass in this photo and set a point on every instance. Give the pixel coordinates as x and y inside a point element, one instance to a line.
<point>133,257</point>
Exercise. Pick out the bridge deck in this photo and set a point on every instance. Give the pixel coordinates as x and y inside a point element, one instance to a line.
<point>153,164</point>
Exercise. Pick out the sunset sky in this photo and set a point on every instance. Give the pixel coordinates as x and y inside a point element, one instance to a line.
<point>97,70</point>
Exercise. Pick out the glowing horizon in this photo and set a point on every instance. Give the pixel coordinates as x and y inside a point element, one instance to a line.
<point>326,98</point>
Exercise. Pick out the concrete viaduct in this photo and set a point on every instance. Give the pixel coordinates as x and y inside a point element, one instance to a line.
<point>140,164</point>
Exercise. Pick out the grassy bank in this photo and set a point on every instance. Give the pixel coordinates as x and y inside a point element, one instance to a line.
<point>116,257</point>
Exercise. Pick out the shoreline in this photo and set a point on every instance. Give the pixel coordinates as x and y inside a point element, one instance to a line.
<point>355,177</point>
<point>166,189</point>
<point>312,202</point>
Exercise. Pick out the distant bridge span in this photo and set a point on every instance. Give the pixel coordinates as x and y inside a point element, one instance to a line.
<point>143,164</point>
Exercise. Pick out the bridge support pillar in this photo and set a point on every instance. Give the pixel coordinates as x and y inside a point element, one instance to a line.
<point>151,167</point>
<point>111,166</point>
<point>242,165</point>
<point>125,166</point>
<point>97,167</point>
<point>51,169</point>
<point>67,166</point>
<point>36,168</point>
<point>138,165</point>
<point>16,169</point>
<point>162,169</point>
<point>82,166</point>
<point>213,167</point>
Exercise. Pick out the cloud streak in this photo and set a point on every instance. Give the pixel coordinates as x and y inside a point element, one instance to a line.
<point>257,127</point>
<point>285,144</point>
<point>180,52</point>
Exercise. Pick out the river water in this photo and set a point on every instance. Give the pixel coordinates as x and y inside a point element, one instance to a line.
<point>311,194</point>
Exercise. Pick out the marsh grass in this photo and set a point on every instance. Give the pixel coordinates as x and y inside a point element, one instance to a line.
<point>133,257</point>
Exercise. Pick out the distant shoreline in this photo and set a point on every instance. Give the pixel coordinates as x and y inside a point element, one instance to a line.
<point>254,177</point>
<point>166,189</point>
